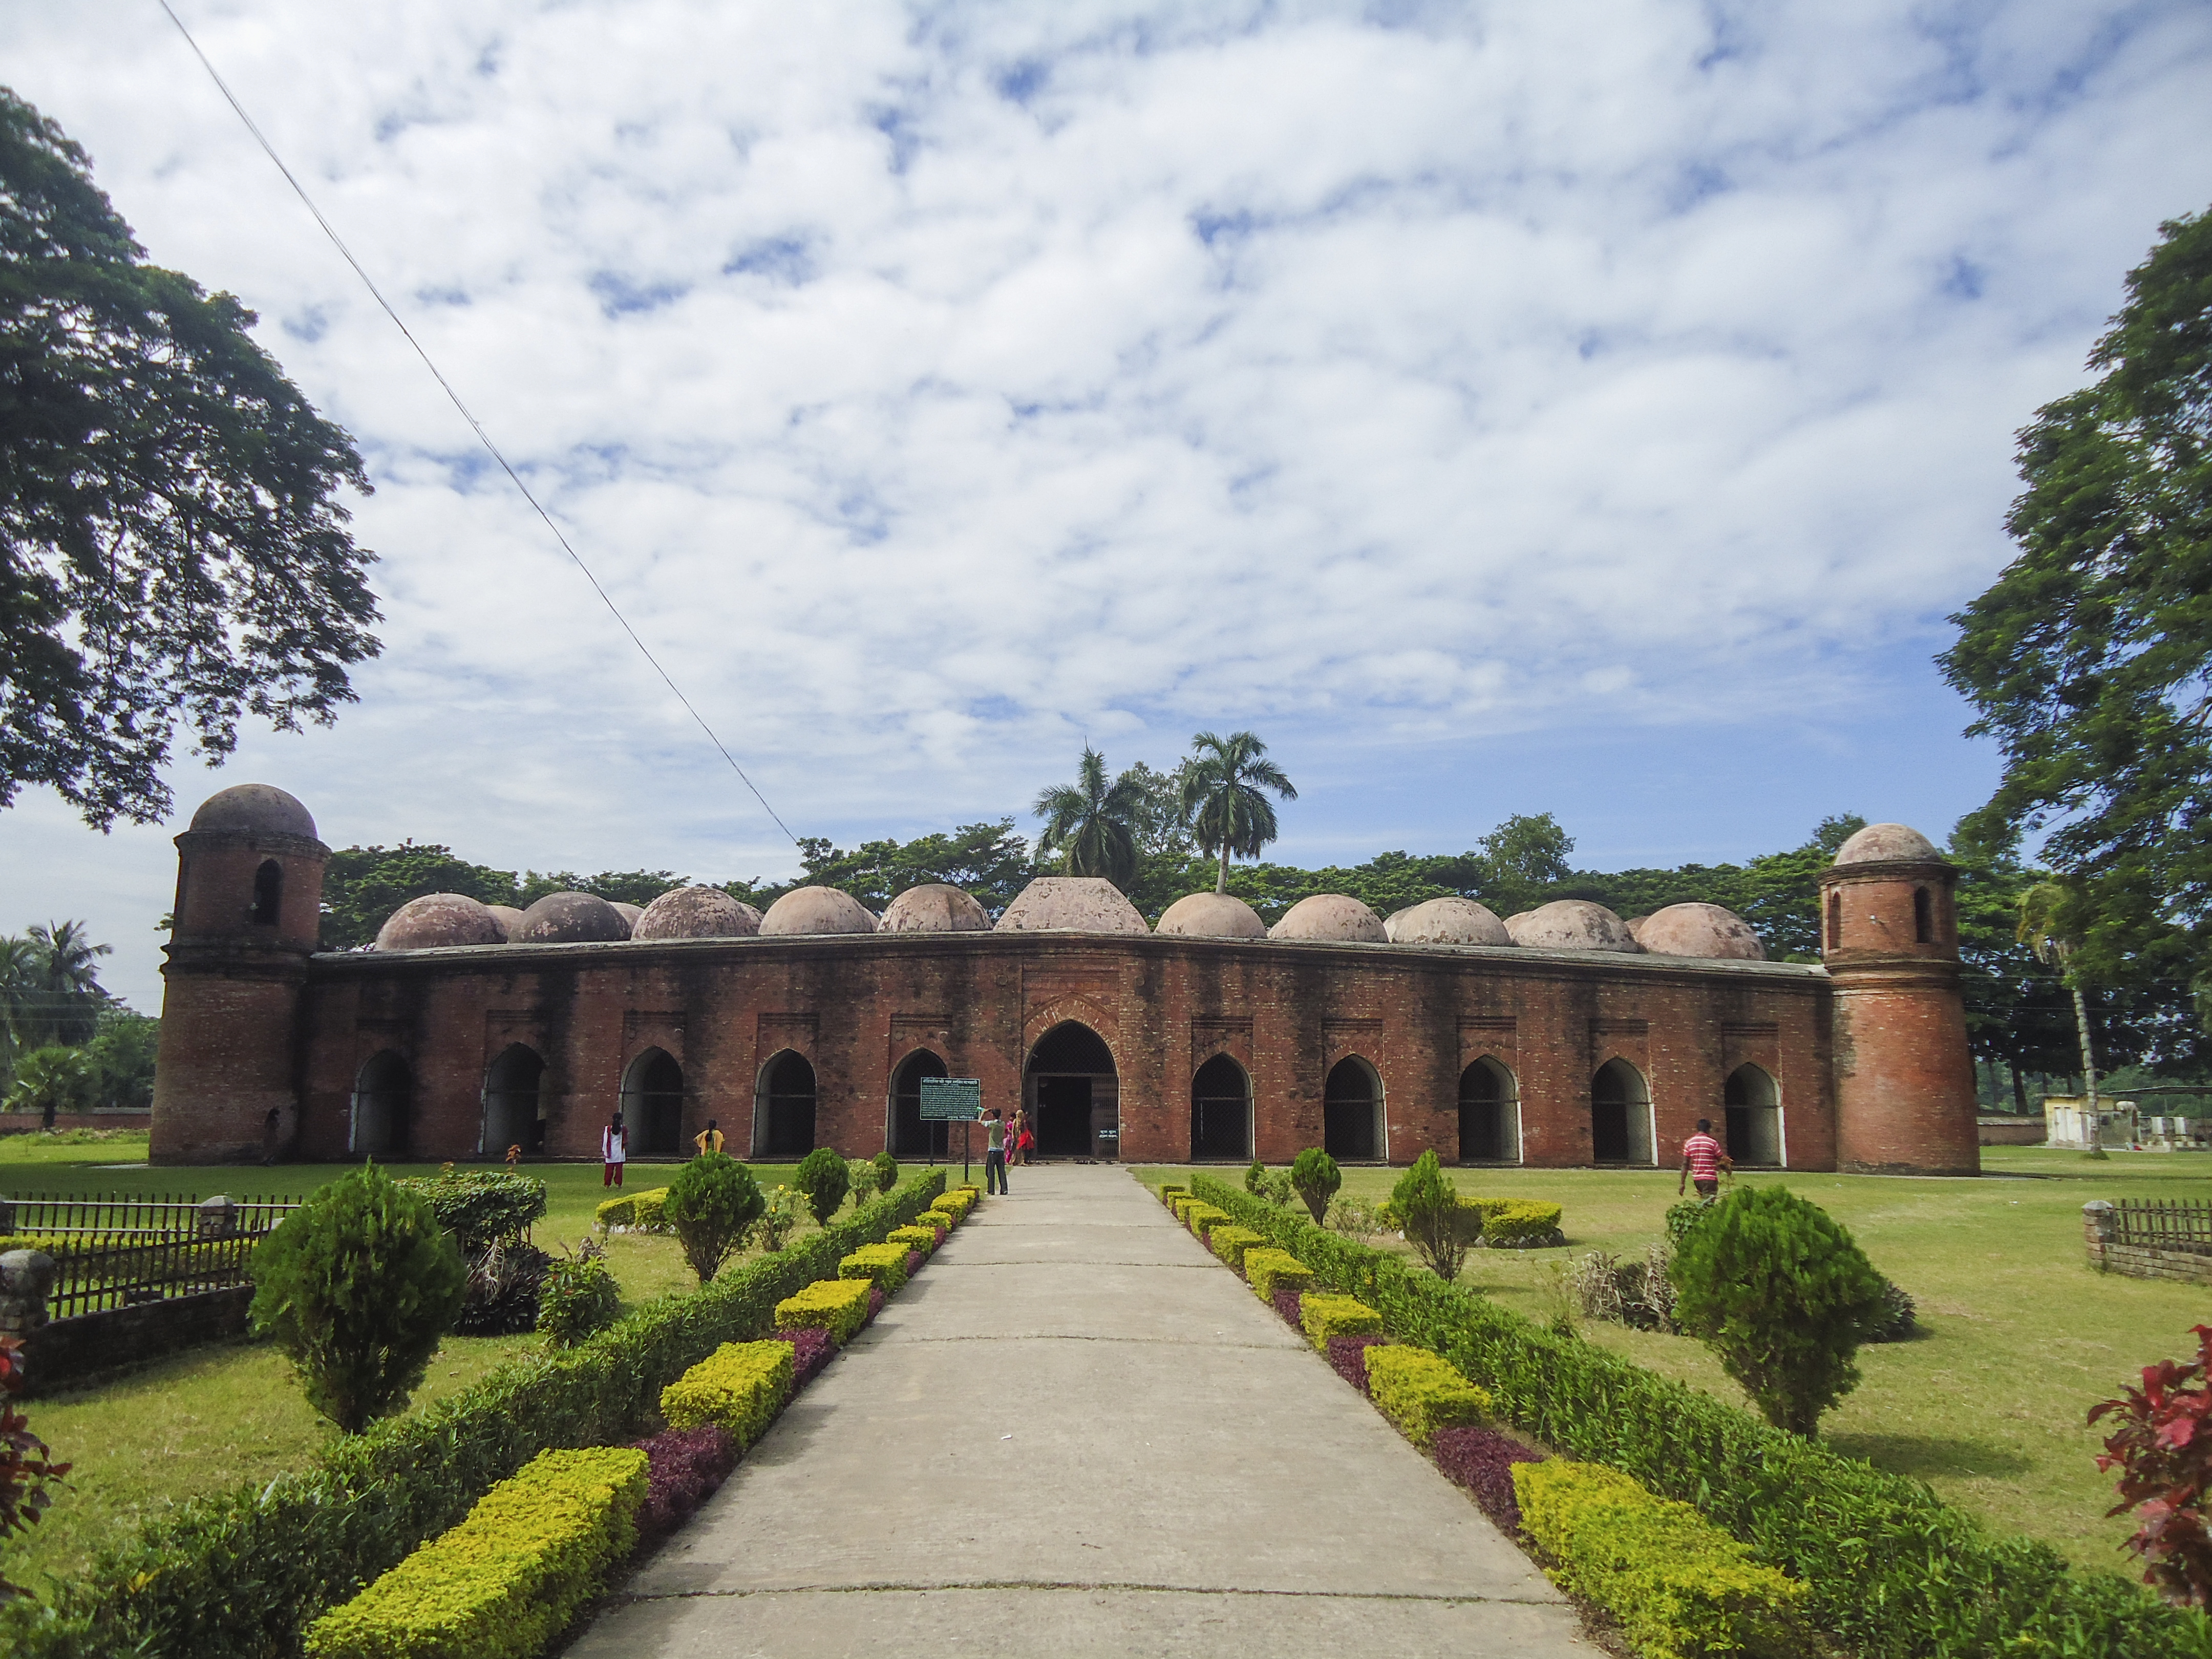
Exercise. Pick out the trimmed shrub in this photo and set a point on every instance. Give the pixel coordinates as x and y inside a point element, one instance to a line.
<point>357,1285</point>
<point>712,1203</point>
<point>778,1219</point>
<point>616,1212</point>
<point>1520,1223</point>
<point>1482,1461</point>
<point>1199,1217</point>
<point>922,1239</point>
<point>839,1306</point>
<point>1777,1290</point>
<point>1268,1269</point>
<point>811,1350</point>
<point>1347,1357</point>
<point>1170,1188</point>
<point>1422,1392</point>
<point>1230,1241</point>
<point>914,1260</point>
<point>1315,1178</point>
<point>1322,1316</point>
<point>879,1264</point>
<point>822,1179</point>
<point>957,1201</point>
<point>1428,1210</point>
<point>579,1298</point>
<point>886,1169</point>
<point>508,1580</point>
<point>1286,1302</point>
<point>480,1206</point>
<point>684,1467</point>
<point>741,1386</point>
<point>1680,1587</point>
<point>650,1214</point>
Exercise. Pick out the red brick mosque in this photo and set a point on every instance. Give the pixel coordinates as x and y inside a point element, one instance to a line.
<point>1562,1036</point>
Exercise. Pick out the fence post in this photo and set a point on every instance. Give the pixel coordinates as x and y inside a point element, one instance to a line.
<point>218,1218</point>
<point>26,1280</point>
<point>7,1215</point>
<point>2098,1224</point>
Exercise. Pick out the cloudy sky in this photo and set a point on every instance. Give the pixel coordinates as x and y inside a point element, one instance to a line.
<point>1573,408</point>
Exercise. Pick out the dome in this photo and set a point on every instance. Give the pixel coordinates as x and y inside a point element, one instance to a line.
<point>1447,920</point>
<point>254,809</point>
<point>629,912</point>
<point>1700,930</point>
<point>1570,925</point>
<point>1878,843</point>
<point>1635,927</point>
<point>436,920</point>
<point>1334,917</point>
<point>816,911</point>
<point>696,912</point>
<point>509,919</point>
<point>1079,904</point>
<point>569,919</point>
<point>935,907</point>
<point>1212,915</point>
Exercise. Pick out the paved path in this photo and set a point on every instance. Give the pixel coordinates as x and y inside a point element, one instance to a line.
<point>1075,1433</point>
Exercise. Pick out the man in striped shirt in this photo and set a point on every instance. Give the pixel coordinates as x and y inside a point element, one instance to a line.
<point>1702,1158</point>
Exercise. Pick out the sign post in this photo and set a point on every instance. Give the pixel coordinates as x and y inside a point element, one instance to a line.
<point>953,1100</point>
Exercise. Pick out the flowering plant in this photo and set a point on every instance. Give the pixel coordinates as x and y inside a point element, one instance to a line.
<point>2161,1444</point>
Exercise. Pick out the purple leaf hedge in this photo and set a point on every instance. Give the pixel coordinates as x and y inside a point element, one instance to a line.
<point>1482,1461</point>
<point>811,1350</point>
<point>683,1468</point>
<point>1348,1356</point>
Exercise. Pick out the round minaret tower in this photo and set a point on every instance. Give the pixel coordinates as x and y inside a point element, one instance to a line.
<point>249,910</point>
<point>1905,1080</point>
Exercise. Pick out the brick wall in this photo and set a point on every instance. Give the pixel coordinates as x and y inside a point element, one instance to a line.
<point>66,1350</point>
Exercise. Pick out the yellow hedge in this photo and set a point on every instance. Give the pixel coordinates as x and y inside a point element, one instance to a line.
<point>1680,1587</point>
<point>881,1264</point>
<point>839,1306</point>
<point>1321,1317</point>
<point>914,1238</point>
<point>1422,1392</point>
<point>741,1386</point>
<point>1268,1270</point>
<point>956,1200</point>
<point>1200,1218</point>
<point>506,1580</point>
<point>1230,1244</point>
<point>633,1209</point>
<point>1169,1190</point>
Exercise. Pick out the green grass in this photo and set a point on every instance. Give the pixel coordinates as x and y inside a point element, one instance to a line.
<point>2021,1337</point>
<point>142,1440</point>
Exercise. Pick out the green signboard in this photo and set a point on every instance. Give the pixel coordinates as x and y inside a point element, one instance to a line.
<point>951,1099</point>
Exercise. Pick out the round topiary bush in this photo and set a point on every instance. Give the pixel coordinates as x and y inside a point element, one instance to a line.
<point>1428,1209</point>
<point>1314,1177</point>
<point>824,1179</point>
<point>712,1203</point>
<point>886,1169</point>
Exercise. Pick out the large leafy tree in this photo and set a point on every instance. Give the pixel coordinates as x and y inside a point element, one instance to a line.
<point>1225,786</point>
<point>1091,825</point>
<point>172,544</point>
<point>2090,658</point>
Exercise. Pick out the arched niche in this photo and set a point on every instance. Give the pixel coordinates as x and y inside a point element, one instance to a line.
<point>911,1137</point>
<point>514,1103</point>
<point>1072,1092</point>
<point>1620,1116</point>
<point>383,1104</point>
<point>1351,1112</point>
<point>1220,1113</point>
<point>783,1108</point>
<point>269,894</point>
<point>653,1104</point>
<point>1752,1110</point>
<point>1489,1114</point>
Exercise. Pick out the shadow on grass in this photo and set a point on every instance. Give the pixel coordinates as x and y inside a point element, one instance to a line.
<point>1926,1456</point>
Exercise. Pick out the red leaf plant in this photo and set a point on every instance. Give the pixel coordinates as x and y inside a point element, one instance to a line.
<point>26,1467</point>
<point>2161,1444</point>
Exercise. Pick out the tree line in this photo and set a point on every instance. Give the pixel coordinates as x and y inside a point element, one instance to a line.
<point>65,1044</point>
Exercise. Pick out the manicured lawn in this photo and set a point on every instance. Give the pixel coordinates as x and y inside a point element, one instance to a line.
<point>2022,1338</point>
<point>203,1420</point>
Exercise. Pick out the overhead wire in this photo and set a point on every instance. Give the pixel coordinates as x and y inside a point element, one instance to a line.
<point>475,425</point>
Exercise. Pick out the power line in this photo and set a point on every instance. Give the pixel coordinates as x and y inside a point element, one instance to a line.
<point>475,425</point>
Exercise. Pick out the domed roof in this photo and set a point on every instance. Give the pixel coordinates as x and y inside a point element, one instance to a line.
<point>816,911</point>
<point>1699,930</point>
<point>248,808</point>
<point>629,912</point>
<point>935,907</point>
<point>509,919</point>
<point>1212,915</point>
<point>1081,904</point>
<point>1880,843</point>
<point>696,912</point>
<point>1450,920</point>
<point>1570,925</point>
<point>571,918</point>
<point>436,920</point>
<point>1330,916</point>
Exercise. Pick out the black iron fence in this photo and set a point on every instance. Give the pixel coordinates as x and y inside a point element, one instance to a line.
<point>2164,1223</point>
<point>121,1252</point>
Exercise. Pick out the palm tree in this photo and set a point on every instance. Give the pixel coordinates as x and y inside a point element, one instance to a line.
<point>1092,824</point>
<point>2046,915</point>
<point>1223,799</point>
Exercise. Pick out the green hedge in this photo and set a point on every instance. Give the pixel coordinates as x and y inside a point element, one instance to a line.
<point>243,1572</point>
<point>1893,1572</point>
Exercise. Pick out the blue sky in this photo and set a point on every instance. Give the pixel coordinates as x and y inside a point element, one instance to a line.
<point>1592,409</point>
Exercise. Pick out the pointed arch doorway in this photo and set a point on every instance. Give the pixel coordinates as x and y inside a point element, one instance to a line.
<point>1072,1092</point>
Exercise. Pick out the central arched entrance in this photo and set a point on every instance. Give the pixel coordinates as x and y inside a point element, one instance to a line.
<point>1072,1094</point>
<point>1489,1114</point>
<point>653,1104</point>
<point>1751,1112</point>
<point>783,1108</point>
<point>382,1096</point>
<point>1220,1112</point>
<point>1620,1116</point>
<point>514,1103</point>
<point>1352,1111</point>
<point>910,1136</point>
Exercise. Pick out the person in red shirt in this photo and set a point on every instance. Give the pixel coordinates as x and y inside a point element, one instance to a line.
<point>1702,1161</point>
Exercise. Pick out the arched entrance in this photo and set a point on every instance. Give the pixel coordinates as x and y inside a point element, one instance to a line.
<point>1351,1112</point>
<point>1752,1112</point>
<point>653,1104</point>
<point>1489,1114</point>
<point>269,894</point>
<point>1073,1093</point>
<point>1620,1116</point>
<point>910,1136</point>
<point>514,1103</point>
<point>383,1099</point>
<point>783,1108</point>
<point>1220,1112</point>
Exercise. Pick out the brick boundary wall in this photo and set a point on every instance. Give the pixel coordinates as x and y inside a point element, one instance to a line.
<point>67,1349</point>
<point>2099,1228</point>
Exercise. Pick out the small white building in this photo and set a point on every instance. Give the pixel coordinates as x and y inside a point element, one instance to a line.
<point>2067,1121</point>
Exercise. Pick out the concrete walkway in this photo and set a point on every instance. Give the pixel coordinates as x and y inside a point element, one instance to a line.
<point>1076,1433</point>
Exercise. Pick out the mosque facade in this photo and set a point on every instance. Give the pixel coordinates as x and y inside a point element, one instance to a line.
<point>1564,1036</point>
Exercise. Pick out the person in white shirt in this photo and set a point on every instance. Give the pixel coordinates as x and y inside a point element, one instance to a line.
<point>614,1150</point>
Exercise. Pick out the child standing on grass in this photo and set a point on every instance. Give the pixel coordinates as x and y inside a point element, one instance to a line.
<point>613,1152</point>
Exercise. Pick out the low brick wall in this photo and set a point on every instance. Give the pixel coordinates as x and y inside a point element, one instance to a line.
<point>25,1123</point>
<point>67,1349</point>
<point>2008,1130</point>
<point>2107,1254</point>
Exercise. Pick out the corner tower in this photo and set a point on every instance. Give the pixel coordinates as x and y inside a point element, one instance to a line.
<point>248,913</point>
<point>1905,1080</point>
